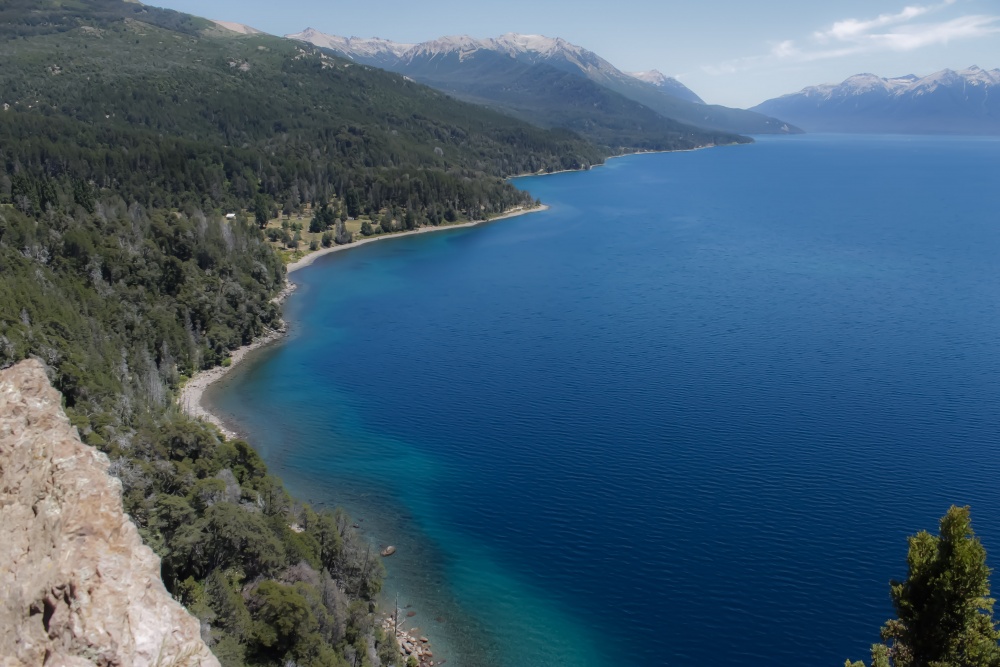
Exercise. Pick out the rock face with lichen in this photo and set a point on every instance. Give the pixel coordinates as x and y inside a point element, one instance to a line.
<point>78,585</point>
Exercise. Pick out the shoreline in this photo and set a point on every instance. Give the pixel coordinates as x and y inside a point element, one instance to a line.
<point>615,157</point>
<point>191,394</point>
<point>191,397</point>
<point>316,254</point>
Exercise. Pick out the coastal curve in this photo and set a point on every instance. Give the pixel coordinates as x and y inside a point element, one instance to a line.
<point>191,396</point>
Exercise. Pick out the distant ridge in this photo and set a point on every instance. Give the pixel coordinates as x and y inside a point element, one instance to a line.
<point>946,102</point>
<point>527,75</point>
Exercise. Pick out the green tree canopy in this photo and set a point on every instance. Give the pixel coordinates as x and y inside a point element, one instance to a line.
<point>944,608</point>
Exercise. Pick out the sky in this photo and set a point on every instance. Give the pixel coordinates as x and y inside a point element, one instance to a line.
<point>731,52</point>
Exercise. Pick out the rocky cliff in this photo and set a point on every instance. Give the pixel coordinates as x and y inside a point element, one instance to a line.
<point>78,585</point>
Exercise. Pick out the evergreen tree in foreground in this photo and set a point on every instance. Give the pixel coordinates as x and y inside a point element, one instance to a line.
<point>944,606</point>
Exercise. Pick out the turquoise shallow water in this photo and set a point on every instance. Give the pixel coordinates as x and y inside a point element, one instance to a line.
<point>687,415</point>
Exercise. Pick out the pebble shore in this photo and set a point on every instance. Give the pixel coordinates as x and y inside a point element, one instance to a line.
<point>190,398</point>
<point>412,644</point>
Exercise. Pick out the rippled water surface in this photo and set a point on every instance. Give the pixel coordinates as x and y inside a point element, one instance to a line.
<point>685,417</point>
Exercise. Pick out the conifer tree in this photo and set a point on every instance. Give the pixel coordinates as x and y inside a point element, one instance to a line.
<point>944,608</point>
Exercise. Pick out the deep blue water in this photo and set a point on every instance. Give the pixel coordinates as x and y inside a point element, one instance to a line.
<point>687,416</point>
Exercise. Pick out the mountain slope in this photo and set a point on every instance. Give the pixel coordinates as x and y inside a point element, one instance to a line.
<point>461,64</point>
<point>534,79</point>
<point>242,115</point>
<point>551,97</point>
<point>667,84</point>
<point>947,102</point>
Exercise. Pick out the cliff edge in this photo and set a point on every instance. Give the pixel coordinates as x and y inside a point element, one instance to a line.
<point>79,586</point>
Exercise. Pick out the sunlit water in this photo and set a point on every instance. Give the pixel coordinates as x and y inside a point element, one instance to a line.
<point>687,416</point>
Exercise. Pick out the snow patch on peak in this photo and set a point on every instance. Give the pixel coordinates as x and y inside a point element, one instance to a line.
<point>930,83</point>
<point>652,76</point>
<point>823,91</point>
<point>512,44</point>
<point>902,86</point>
<point>944,76</point>
<point>666,84</point>
<point>539,44</point>
<point>463,45</point>
<point>859,84</point>
<point>351,46</point>
<point>453,43</point>
<point>976,76</point>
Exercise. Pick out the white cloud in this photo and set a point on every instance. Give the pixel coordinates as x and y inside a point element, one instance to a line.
<point>784,49</point>
<point>919,36</point>
<point>853,28</point>
<point>886,32</point>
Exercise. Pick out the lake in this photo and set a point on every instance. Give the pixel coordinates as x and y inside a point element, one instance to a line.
<point>688,415</point>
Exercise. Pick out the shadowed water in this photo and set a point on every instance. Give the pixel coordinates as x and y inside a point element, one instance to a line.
<point>687,416</point>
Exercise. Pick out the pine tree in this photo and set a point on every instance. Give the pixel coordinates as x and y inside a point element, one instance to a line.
<point>945,613</point>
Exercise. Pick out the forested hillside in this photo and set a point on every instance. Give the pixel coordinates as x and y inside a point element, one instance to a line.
<point>121,303</point>
<point>168,110</point>
<point>126,133</point>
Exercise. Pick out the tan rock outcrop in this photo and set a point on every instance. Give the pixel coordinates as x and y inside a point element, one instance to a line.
<point>77,585</point>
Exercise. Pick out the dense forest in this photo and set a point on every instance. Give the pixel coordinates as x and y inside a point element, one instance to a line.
<point>121,303</point>
<point>168,111</point>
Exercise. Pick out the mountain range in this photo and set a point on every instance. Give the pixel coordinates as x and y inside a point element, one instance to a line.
<point>946,102</point>
<point>547,81</point>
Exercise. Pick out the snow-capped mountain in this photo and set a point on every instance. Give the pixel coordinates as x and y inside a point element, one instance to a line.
<point>667,84</point>
<point>946,102</point>
<point>653,76</point>
<point>532,48</point>
<point>526,75</point>
<point>525,48</point>
<point>371,51</point>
